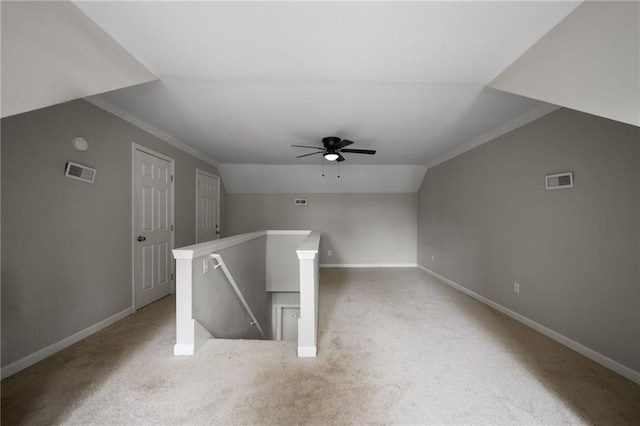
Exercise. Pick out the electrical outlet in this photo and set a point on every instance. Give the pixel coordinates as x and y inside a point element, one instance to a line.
<point>432,258</point>
<point>330,252</point>
<point>516,287</point>
<point>205,266</point>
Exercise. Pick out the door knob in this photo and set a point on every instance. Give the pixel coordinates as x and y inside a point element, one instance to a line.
<point>141,238</point>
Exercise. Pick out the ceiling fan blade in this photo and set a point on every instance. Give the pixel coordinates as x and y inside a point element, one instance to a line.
<point>343,143</point>
<point>340,158</point>
<point>359,151</point>
<point>306,155</point>
<point>304,146</point>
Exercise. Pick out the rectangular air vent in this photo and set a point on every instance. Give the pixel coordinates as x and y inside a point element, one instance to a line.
<point>300,202</point>
<point>559,180</point>
<point>80,172</point>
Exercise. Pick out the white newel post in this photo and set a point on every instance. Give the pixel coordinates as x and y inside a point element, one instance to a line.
<point>308,321</point>
<point>185,324</point>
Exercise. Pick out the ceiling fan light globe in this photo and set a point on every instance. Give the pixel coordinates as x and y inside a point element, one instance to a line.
<point>331,156</point>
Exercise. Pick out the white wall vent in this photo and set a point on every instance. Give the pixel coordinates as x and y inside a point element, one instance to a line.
<point>80,172</point>
<point>559,180</point>
<point>300,202</point>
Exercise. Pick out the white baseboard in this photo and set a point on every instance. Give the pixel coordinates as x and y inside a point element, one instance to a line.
<point>307,352</point>
<point>368,265</point>
<point>38,356</point>
<point>560,338</point>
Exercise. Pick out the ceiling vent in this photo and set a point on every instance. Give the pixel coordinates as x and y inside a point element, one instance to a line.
<point>80,172</point>
<point>559,180</point>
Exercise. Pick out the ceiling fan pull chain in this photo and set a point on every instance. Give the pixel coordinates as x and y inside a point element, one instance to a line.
<point>338,170</point>
<point>322,166</point>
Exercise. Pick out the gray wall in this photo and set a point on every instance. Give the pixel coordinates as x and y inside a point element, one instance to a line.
<point>217,306</point>
<point>283,266</point>
<point>358,228</point>
<point>488,221</point>
<point>66,244</point>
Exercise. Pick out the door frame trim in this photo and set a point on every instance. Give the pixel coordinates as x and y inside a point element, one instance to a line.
<point>137,147</point>
<point>217,178</point>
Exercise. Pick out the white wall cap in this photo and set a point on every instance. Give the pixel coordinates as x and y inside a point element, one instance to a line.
<point>206,248</point>
<point>310,246</point>
<point>287,232</point>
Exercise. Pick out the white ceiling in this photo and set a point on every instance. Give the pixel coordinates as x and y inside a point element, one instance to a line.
<point>241,82</point>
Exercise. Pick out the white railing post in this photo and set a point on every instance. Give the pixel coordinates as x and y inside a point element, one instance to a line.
<point>308,321</point>
<point>185,324</point>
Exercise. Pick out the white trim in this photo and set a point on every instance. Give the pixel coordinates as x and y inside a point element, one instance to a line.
<point>183,349</point>
<point>107,106</point>
<point>277,315</point>
<point>288,232</point>
<point>310,246</point>
<point>185,324</point>
<point>136,147</point>
<point>560,338</point>
<point>38,356</point>
<point>526,118</point>
<point>274,313</point>
<point>307,254</point>
<point>133,226</point>
<point>208,247</point>
<point>309,283</point>
<point>307,352</point>
<point>217,178</point>
<point>368,265</point>
<point>205,249</point>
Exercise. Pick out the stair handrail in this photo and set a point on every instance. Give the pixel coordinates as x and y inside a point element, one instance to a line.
<point>238,292</point>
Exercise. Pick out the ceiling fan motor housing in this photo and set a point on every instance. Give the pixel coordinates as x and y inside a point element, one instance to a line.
<point>330,141</point>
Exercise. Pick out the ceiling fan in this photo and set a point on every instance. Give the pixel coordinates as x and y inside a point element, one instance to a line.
<point>333,149</point>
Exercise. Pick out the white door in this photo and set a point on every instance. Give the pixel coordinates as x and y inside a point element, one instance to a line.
<point>152,227</point>
<point>207,202</point>
<point>290,317</point>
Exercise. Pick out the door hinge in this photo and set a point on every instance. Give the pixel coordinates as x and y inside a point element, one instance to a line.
<point>172,228</point>
<point>171,178</point>
<point>172,276</point>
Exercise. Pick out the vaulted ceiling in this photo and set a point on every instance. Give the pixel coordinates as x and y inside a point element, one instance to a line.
<point>238,83</point>
<point>241,82</point>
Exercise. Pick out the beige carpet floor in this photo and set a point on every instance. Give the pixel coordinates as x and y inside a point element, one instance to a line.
<point>396,346</point>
